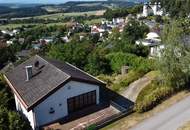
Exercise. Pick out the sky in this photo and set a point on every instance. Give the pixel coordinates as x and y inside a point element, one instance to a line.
<point>40,1</point>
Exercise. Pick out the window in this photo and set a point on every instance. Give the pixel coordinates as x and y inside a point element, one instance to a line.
<point>51,111</point>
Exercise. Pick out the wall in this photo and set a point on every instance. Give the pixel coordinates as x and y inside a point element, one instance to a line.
<point>156,50</point>
<point>58,101</point>
<point>21,108</point>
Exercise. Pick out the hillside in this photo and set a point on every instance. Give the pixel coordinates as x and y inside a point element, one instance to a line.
<point>14,10</point>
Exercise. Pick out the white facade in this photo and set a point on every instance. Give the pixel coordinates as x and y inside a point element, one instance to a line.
<point>155,51</point>
<point>29,115</point>
<point>150,8</point>
<point>154,42</point>
<point>40,115</point>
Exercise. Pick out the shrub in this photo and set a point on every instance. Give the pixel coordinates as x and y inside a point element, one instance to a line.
<point>16,122</point>
<point>91,127</point>
<point>116,87</point>
<point>107,79</point>
<point>131,77</point>
<point>119,59</point>
<point>127,80</point>
<point>152,95</point>
<point>4,119</point>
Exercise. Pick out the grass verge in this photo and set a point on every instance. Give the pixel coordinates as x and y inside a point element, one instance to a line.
<point>135,118</point>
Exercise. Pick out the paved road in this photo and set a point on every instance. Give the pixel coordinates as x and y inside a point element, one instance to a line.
<point>134,88</point>
<point>170,119</point>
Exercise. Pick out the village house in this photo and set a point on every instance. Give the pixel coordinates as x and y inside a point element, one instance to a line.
<point>151,9</point>
<point>46,40</point>
<point>11,33</point>
<point>47,90</point>
<point>153,41</point>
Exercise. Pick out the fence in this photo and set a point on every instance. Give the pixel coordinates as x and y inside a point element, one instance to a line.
<point>113,118</point>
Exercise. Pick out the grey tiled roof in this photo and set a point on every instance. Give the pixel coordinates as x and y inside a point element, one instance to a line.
<point>47,78</point>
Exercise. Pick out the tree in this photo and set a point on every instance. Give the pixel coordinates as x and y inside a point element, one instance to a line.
<point>97,63</point>
<point>16,122</point>
<point>159,19</point>
<point>72,52</point>
<point>175,58</point>
<point>6,55</point>
<point>176,8</point>
<point>115,13</point>
<point>6,97</point>
<point>134,30</point>
<point>4,121</point>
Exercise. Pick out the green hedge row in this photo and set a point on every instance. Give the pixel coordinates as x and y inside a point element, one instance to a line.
<point>151,96</point>
<point>130,77</point>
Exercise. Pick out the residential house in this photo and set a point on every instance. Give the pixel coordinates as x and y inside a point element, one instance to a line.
<point>153,41</point>
<point>46,40</point>
<point>47,90</point>
<point>11,33</point>
<point>96,29</point>
<point>152,9</point>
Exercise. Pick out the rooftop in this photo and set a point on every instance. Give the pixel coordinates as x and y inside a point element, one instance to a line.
<point>47,77</point>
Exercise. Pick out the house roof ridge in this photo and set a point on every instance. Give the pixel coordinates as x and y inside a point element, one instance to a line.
<point>53,66</point>
<point>85,72</point>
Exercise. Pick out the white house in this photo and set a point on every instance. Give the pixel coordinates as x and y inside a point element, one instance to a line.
<point>152,9</point>
<point>47,90</point>
<point>153,41</point>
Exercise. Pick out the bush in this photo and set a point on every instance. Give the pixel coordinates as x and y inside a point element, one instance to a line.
<point>127,80</point>
<point>4,122</point>
<point>91,127</point>
<point>9,120</point>
<point>152,95</point>
<point>119,59</point>
<point>131,77</point>
<point>107,79</point>
<point>16,122</point>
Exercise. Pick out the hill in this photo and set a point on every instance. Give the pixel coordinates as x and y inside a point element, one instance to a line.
<point>30,10</point>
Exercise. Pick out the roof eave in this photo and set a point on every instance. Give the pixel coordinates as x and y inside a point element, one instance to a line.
<point>47,95</point>
<point>15,92</point>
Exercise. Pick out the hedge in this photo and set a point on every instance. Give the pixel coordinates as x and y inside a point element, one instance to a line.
<point>132,76</point>
<point>152,95</point>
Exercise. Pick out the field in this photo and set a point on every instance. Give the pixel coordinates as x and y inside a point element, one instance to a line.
<point>94,21</point>
<point>61,15</point>
<point>12,26</point>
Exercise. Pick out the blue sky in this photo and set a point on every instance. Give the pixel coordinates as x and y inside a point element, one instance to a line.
<point>39,1</point>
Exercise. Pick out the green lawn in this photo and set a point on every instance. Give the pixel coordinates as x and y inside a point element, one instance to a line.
<point>94,21</point>
<point>61,15</point>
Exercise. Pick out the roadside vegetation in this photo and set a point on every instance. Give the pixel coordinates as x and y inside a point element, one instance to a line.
<point>186,126</point>
<point>10,120</point>
<point>173,67</point>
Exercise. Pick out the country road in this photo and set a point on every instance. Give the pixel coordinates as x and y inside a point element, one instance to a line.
<point>170,119</point>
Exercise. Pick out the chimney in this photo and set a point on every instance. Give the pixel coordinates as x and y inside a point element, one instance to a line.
<point>28,72</point>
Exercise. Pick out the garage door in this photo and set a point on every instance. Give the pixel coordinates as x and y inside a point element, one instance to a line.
<point>79,102</point>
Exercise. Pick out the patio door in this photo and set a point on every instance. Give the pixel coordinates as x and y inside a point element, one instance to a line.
<point>79,102</point>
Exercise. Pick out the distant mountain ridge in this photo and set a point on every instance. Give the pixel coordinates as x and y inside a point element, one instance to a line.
<point>29,10</point>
